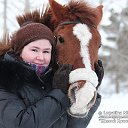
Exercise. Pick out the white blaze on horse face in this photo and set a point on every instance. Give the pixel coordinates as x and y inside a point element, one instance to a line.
<point>84,96</point>
<point>81,31</point>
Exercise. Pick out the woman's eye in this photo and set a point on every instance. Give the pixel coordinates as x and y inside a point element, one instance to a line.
<point>46,52</point>
<point>34,50</point>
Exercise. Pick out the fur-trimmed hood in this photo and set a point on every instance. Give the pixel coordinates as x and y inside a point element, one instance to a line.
<point>14,75</point>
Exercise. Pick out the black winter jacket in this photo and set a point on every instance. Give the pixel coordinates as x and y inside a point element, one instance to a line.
<point>25,103</point>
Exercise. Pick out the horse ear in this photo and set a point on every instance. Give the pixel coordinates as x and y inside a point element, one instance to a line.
<point>56,9</point>
<point>99,10</point>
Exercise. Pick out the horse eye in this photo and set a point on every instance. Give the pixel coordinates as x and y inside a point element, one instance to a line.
<point>100,45</point>
<point>61,39</point>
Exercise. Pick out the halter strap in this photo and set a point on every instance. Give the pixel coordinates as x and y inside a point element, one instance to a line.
<point>69,22</point>
<point>72,22</point>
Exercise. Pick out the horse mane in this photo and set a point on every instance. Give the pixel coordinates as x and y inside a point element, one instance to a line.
<point>78,11</point>
<point>35,16</point>
<point>48,19</point>
<point>29,17</point>
<point>74,11</point>
<point>82,12</point>
<point>4,45</point>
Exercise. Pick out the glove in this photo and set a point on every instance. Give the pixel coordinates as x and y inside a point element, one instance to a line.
<point>61,77</point>
<point>99,71</point>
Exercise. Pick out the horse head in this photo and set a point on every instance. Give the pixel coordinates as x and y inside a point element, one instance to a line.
<point>75,27</point>
<point>78,41</point>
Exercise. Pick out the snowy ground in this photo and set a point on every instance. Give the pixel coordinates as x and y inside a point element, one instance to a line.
<point>115,105</point>
<point>114,108</point>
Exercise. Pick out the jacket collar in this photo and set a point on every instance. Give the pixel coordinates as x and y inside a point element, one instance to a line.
<point>9,56</point>
<point>15,74</point>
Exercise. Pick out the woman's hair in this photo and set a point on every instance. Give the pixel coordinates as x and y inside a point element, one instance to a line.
<point>5,45</point>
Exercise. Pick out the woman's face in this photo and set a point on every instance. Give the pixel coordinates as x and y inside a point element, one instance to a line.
<point>37,52</point>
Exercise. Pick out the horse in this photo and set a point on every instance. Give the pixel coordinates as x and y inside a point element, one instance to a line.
<point>78,40</point>
<point>75,26</point>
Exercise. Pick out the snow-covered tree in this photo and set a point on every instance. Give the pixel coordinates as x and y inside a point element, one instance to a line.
<point>116,64</point>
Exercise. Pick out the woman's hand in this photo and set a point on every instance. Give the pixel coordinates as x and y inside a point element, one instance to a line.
<point>61,77</point>
<point>99,71</point>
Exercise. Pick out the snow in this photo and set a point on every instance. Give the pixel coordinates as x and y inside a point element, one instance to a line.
<point>111,103</point>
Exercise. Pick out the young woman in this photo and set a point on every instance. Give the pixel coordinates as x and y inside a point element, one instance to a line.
<point>28,99</point>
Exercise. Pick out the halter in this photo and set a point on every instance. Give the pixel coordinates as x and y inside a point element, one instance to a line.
<point>69,22</point>
<point>72,22</point>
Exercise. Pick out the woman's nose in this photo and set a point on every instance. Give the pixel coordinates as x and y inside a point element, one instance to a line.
<point>40,56</point>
